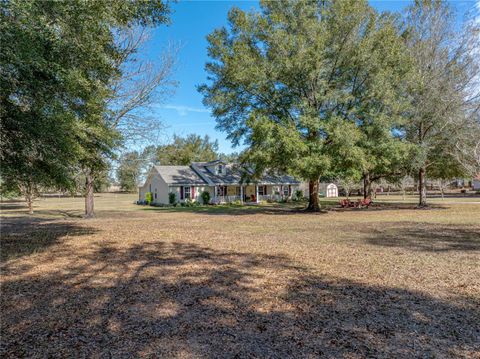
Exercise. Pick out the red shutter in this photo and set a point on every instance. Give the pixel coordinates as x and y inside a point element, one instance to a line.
<point>193,192</point>
<point>181,192</point>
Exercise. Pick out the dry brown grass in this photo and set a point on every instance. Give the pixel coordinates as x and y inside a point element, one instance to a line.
<point>240,282</point>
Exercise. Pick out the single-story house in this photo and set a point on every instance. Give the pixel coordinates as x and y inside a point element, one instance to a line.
<point>222,180</point>
<point>476,183</point>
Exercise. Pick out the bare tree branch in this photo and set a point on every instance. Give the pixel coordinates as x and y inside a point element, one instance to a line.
<point>141,83</point>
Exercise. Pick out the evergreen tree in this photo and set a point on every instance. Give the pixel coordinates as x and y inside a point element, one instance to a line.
<point>297,80</point>
<point>128,171</point>
<point>445,99</point>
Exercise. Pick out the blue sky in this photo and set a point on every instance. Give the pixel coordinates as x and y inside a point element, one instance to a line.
<point>183,112</point>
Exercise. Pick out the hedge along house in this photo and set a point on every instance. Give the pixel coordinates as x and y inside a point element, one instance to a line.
<point>222,180</point>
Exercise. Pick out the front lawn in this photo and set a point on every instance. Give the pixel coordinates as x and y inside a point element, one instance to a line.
<point>228,281</point>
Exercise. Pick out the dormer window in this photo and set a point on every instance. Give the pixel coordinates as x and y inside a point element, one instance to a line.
<point>219,169</point>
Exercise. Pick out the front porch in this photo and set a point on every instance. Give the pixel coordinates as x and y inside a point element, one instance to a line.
<point>251,193</point>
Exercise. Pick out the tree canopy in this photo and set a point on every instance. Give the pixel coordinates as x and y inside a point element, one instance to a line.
<point>57,63</point>
<point>185,150</point>
<point>129,170</point>
<point>304,84</point>
<point>444,91</point>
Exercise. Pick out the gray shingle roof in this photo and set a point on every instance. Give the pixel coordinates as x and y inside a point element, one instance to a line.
<point>180,175</point>
<point>198,174</point>
<point>233,175</point>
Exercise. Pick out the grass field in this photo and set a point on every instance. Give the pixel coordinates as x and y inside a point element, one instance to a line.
<point>257,281</point>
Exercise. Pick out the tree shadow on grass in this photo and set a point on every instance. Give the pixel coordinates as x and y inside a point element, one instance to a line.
<point>427,237</point>
<point>22,235</point>
<point>272,209</point>
<point>160,299</point>
<point>388,206</point>
<point>285,208</point>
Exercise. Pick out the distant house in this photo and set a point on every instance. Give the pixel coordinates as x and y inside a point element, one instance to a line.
<point>222,180</point>
<point>476,183</point>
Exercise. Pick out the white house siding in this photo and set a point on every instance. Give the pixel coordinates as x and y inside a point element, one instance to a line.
<point>476,184</point>
<point>141,193</point>
<point>200,189</point>
<point>269,190</point>
<point>250,190</point>
<point>156,185</point>
<point>159,185</point>
<point>176,190</point>
<point>198,192</point>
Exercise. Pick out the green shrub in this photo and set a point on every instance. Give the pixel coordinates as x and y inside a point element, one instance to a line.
<point>189,203</point>
<point>172,198</point>
<point>205,197</point>
<point>159,205</point>
<point>148,197</point>
<point>299,194</point>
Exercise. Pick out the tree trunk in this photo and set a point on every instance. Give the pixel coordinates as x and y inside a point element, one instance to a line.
<point>89,213</point>
<point>367,186</point>
<point>29,200</point>
<point>422,187</point>
<point>313,205</point>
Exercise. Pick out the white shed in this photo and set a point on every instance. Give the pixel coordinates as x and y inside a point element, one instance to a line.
<point>331,190</point>
<point>325,189</point>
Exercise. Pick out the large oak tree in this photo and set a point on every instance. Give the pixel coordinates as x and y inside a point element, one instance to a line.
<point>297,80</point>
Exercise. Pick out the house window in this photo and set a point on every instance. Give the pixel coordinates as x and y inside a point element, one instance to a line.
<point>155,193</point>
<point>285,191</point>
<point>219,169</point>
<point>261,190</point>
<point>221,191</point>
<point>237,191</point>
<point>186,192</point>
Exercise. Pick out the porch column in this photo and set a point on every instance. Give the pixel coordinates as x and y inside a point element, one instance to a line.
<point>241,193</point>
<point>256,193</point>
<point>214,194</point>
